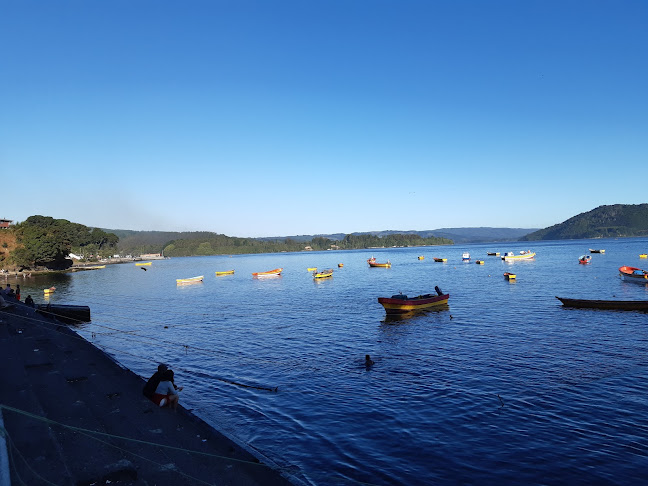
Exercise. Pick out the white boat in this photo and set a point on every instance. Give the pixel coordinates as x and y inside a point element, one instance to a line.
<point>465,257</point>
<point>510,256</point>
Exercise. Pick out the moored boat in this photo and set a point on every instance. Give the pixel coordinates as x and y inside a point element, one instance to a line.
<point>584,259</point>
<point>643,255</point>
<point>641,305</point>
<point>510,276</point>
<point>421,258</point>
<point>323,274</point>
<point>225,272</point>
<point>311,269</point>
<point>510,256</point>
<point>141,264</point>
<point>340,265</point>
<point>465,256</point>
<point>633,274</point>
<point>440,259</point>
<point>479,262</point>
<point>270,273</point>
<point>191,280</point>
<point>493,253</point>
<point>50,290</point>
<point>380,265</point>
<point>596,251</point>
<point>402,304</point>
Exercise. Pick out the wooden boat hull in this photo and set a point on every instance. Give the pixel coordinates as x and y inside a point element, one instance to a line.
<point>70,314</point>
<point>270,273</point>
<point>380,265</point>
<point>324,274</point>
<point>192,280</point>
<point>402,305</point>
<point>641,305</point>
<point>143,264</point>
<point>225,272</point>
<point>631,274</point>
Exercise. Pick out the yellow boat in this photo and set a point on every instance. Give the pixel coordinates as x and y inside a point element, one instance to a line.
<point>479,262</point>
<point>441,260</point>
<point>643,255</point>
<point>421,258</point>
<point>50,290</point>
<point>226,272</point>
<point>323,274</point>
<point>340,265</point>
<point>524,255</point>
<point>182,281</point>
<point>509,276</point>
<point>311,269</point>
<point>139,264</point>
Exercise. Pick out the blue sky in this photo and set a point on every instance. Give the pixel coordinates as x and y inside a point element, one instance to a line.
<point>264,118</point>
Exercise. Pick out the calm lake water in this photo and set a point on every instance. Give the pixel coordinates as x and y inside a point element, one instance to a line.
<point>505,386</point>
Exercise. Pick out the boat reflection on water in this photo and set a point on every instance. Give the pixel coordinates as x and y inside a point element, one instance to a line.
<point>413,315</point>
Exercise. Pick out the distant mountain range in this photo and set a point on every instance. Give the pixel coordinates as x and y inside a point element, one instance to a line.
<point>136,242</point>
<point>617,220</point>
<point>458,235</point>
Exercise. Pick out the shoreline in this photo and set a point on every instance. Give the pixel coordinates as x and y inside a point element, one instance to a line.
<point>73,415</point>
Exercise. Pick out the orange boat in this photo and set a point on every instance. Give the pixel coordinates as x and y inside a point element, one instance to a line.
<point>402,304</point>
<point>270,273</point>
<point>380,265</point>
<point>585,259</point>
<point>633,274</point>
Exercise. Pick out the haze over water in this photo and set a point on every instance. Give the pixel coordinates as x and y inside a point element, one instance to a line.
<point>505,386</point>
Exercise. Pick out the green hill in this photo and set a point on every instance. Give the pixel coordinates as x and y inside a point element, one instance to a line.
<point>617,220</point>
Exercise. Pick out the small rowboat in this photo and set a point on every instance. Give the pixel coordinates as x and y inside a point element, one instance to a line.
<point>633,274</point>
<point>380,265</point>
<point>584,259</point>
<point>225,272</point>
<point>143,264</point>
<point>270,273</point>
<point>641,305</point>
<point>50,290</point>
<point>596,251</point>
<point>479,262</point>
<point>311,269</point>
<point>402,304</point>
<point>421,258</point>
<point>323,274</point>
<point>643,255</point>
<point>340,265</point>
<point>510,276</point>
<point>182,281</point>
<point>440,259</point>
<point>510,256</point>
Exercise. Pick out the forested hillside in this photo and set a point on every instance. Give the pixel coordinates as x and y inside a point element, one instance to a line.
<point>223,245</point>
<point>616,220</point>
